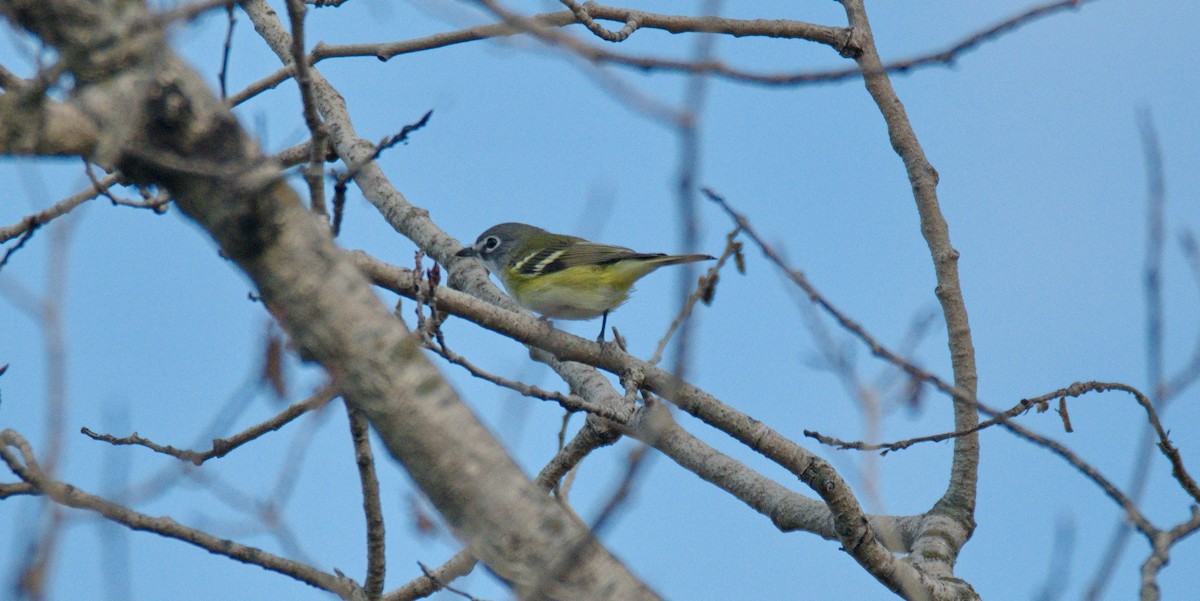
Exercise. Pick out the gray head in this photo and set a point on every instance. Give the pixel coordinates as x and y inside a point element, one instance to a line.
<point>497,245</point>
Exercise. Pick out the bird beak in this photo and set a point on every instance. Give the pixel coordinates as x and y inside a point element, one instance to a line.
<point>467,252</point>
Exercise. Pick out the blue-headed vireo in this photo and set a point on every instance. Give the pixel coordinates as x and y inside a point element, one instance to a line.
<point>564,277</point>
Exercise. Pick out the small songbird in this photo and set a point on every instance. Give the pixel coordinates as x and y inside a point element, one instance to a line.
<point>564,277</point>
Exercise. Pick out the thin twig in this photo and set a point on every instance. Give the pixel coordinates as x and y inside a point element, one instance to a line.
<point>877,349</point>
<point>632,23</point>
<point>58,209</point>
<point>1058,569</point>
<point>1190,372</point>
<point>839,39</point>
<point>157,203</point>
<point>705,289</point>
<point>782,29</point>
<point>10,251</point>
<point>687,131</point>
<point>226,51</point>
<point>50,317</point>
<point>1041,403</point>
<point>314,171</point>
<point>569,402</point>
<point>343,178</point>
<point>432,581</point>
<point>634,463</point>
<point>445,585</point>
<point>24,465</point>
<point>223,446</point>
<point>1131,511</point>
<point>17,489</point>
<point>372,508</point>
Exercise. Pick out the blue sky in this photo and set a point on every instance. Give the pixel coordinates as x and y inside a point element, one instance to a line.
<point>1042,181</point>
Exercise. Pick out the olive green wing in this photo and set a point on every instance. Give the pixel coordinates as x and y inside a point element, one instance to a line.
<point>572,252</point>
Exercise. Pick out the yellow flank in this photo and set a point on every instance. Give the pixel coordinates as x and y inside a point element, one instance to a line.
<point>580,291</point>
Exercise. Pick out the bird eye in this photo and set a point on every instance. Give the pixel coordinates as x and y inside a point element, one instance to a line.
<point>491,243</point>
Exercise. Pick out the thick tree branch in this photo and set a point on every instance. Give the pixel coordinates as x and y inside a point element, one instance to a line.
<point>594,435</point>
<point>31,124</point>
<point>935,551</point>
<point>789,511</point>
<point>851,525</point>
<point>171,130</point>
<point>469,275</point>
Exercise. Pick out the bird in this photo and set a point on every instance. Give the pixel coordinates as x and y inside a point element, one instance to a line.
<point>565,277</point>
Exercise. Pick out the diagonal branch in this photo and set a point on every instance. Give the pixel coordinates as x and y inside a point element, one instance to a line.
<point>58,209</point>
<point>850,523</point>
<point>223,446</point>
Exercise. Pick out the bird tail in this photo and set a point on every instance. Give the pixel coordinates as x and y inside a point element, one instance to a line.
<point>660,260</point>
<point>636,265</point>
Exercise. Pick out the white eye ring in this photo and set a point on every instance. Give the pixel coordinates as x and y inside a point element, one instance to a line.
<point>491,243</point>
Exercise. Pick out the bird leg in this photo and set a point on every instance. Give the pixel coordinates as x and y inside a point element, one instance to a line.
<point>603,323</point>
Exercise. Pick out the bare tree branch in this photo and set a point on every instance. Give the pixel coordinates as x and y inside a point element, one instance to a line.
<point>568,402</point>
<point>58,209</point>
<point>836,38</point>
<point>1077,389</point>
<point>852,527</point>
<point>592,436</point>
<point>705,290</point>
<point>151,118</point>
<point>35,125</point>
<point>314,172</point>
<point>198,152</point>
<point>223,446</point>
<point>365,460</point>
<point>23,463</point>
<point>226,52</point>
